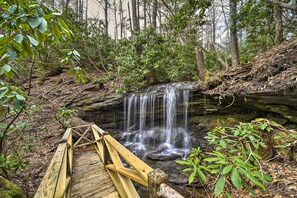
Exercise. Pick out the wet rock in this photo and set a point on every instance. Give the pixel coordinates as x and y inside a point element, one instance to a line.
<point>163,157</point>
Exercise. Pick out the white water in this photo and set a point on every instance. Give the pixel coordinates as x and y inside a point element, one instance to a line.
<point>156,123</point>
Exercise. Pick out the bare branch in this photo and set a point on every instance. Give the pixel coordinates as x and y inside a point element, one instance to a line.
<point>283,5</point>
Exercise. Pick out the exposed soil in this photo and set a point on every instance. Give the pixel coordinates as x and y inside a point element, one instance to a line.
<point>274,71</point>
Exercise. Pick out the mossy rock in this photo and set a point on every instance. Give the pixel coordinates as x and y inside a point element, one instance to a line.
<point>9,189</point>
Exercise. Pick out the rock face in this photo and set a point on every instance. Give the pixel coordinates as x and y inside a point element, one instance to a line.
<point>205,112</point>
<point>105,112</point>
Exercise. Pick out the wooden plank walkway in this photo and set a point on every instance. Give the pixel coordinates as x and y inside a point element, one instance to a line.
<point>88,162</point>
<point>90,179</point>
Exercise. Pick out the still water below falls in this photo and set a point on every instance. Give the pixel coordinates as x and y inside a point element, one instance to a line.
<point>156,123</point>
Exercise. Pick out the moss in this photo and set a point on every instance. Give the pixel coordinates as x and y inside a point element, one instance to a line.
<point>9,189</point>
<point>212,121</point>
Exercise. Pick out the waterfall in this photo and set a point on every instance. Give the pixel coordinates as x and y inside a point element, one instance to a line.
<point>155,122</point>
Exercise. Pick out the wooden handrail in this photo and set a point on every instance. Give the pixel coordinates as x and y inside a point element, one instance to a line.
<point>57,177</point>
<point>115,158</point>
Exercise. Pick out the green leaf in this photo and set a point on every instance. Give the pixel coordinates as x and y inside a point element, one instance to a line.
<point>27,48</point>
<point>253,179</point>
<point>249,188</point>
<point>223,143</point>
<point>235,178</point>
<point>41,36</point>
<point>219,187</point>
<point>12,8</point>
<point>9,74</point>
<point>34,22</point>
<point>19,38</point>
<point>212,159</point>
<point>227,169</point>
<point>6,68</point>
<point>201,175</point>
<point>43,26</point>
<point>192,177</point>
<point>228,195</point>
<point>6,39</point>
<point>33,41</point>
<point>183,162</point>
<point>20,97</point>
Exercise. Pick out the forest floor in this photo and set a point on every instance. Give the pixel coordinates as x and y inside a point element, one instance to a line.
<point>272,71</point>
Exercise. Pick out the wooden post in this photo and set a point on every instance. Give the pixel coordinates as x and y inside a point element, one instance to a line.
<point>155,178</point>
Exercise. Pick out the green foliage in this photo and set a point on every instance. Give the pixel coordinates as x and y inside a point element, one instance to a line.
<point>211,61</point>
<point>234,160</point>
<point>198,167</point>
<point>150,58</point>
<point>65,116</point>
<point>187,12</point>
<point>27,28</point>
<point>288,140</point>
<point>8,162</point>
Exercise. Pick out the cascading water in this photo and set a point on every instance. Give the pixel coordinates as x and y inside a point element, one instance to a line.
<point>155,124</point>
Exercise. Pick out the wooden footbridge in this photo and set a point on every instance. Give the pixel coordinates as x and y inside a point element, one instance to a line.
<point>88,162</point>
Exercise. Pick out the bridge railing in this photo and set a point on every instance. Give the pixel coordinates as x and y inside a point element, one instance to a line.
<point>122,166</point>
<point>114,155</point>
<point>56,180</point>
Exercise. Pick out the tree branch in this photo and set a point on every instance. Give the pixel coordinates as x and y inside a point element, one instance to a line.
<point>283,5</point>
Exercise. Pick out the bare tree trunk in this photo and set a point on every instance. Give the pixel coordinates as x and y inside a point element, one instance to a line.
<point>213,25</point>
<point>134,16</point>
<point>86,15</point>
<point>121,18</point>
<point>233,34</point>
<point>144,13</point>
<point>160,22</point>
<point>150,14</point>
<point>201,64</point>
<point>138,14</point>
<point>277,15</point>
<point>77,7</point>
<point>115,20</point>
<point>106,15</point>
<point>154,15</point>
<point>81,10</point>
<point>130,21</point>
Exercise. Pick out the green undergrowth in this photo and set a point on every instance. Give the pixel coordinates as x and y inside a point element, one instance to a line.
<point>233,159</point>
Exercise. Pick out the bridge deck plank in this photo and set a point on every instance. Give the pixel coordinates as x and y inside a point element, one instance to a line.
<point>89,177</point>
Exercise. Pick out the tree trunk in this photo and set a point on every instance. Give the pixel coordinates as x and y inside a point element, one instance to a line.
<point>233,34</point>
<point>201,64</point>
<point>134,16</point>
<point>116,20</point>
<point>130,21</point>
<point>154,14</point>
<point>106,15</point>
<point>121,19</point>
<point>86,16</point>
<point>160,22</point>
<point>277,15</point>
<point>144,13</point>
<point>138,14</point>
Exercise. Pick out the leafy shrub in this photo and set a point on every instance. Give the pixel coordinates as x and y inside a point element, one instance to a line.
<point>150,58</point>
<point>234,160</point>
